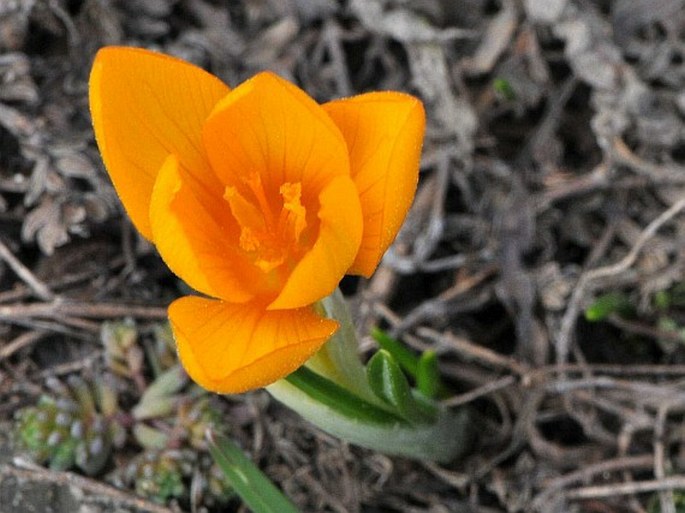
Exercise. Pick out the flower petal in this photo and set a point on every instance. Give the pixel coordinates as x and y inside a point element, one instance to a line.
<point>193,237</point>
<point>384,132</point>
<point>230,348</point>
<point>318,273</point>
<point>144,106</point>
<point>268,127</point>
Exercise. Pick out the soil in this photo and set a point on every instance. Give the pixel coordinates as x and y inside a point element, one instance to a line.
<point>542,259</point>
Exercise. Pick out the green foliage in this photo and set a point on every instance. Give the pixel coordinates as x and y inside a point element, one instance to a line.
<point>606,305</point>
<point>654,505</point>
<point>161,351</point>
<point>423,368</point>
<point>78,423</point>
<point>254,488</point>
<point>672,298</point>
<point>75,426</point>
<point>123,355</point>
<point>329,393</point>
<point>176,474</point>
<point>404,356</point>
<point>389,382</point>
<point>428,375</point>
<point>504,89</point>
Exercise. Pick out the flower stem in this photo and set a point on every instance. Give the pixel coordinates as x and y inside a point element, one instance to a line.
<point>333,392</point>
<point>442,440</point>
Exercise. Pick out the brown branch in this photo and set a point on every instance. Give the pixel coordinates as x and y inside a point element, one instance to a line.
<point>556,485</point>
<point>38,287</point>
<point>59,309</point>
<point>473,351</point>
<point>22,341</point>
<point>596,492</point>
<point>587,278</point>
<point>100,492</point>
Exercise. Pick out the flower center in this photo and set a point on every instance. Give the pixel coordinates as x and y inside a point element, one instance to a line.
<point>268,238</point>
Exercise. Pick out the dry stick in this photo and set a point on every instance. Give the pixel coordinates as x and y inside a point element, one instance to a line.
<point>569,319</point>
<point>38,287</point>
<point>644,237</point>
<point>654,370</point>
<point>23,340</point>
<point>332,35</point>
<point>486,389</point>
<point>587,472</point>
<point>89,310</point>
<point>22,292</point>
<point>665,496</point>
<point>78,365</point>
<point>596,492</point>
<point>651,392</point>
<point>473,351</point>
<point>453,478</point>
<point>58,326</point>
<point>649,331</point>
<point>101,493</point>
<point>614,406</point>
<point>623,154</point>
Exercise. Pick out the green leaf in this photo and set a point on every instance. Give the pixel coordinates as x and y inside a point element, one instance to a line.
<point>662,300</point>
<point>390,384</point>
<point>428,375</point>
<point>254,488</point>
<point>606,305</point>
<point>159,400</point>
<point>149,437</point>
<point>388,381</point>
<point>504,88</point>
<point>402,355</point>
<point>339,399</point>
<point>166,384</point>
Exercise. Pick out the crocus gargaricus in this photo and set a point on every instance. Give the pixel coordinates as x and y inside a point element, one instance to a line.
<point>257,197</point>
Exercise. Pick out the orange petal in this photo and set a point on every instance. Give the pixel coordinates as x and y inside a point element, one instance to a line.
<point>194,237</point>
<point>230,348</point>
<point>319,271</point>
<point>144,106</point>
<point>268,127</point>
<point>384,132</point>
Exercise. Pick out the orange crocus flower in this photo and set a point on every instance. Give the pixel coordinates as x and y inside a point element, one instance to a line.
<point>257,197</point>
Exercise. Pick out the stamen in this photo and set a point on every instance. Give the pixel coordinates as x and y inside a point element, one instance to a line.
<point>245,212</point>
<point>268,244</point>
<point>267,265</point>
<point>293,218</point>
<point>250,219</point>
<point>248,240</point>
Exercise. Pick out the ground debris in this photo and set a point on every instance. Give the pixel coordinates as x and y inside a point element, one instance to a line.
<point>552,185</point>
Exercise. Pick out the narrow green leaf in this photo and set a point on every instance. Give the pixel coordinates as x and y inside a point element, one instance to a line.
<point>428,375</point>
<point>149,437</point>
<point>254,488</point>
<point>166,384</point>
<point>402,355</point>
<point>159,399</point>
<point>338,398</point>
<point>390,384</point>
<point>606,305</point>
<point>388,381</point>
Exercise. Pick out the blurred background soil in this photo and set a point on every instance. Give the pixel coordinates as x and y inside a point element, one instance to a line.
<point>542,259</point>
